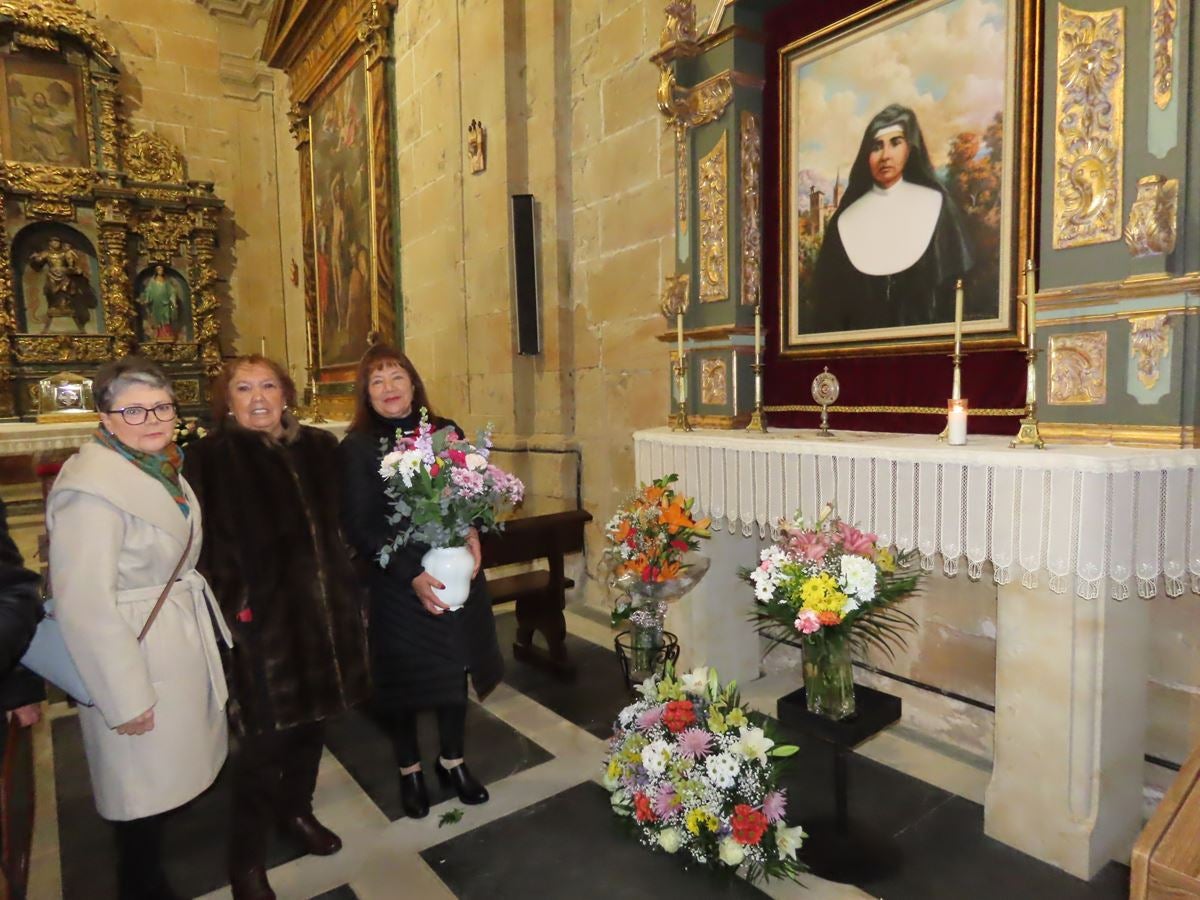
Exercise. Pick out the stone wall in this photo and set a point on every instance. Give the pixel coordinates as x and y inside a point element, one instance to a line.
<point>192,76</point>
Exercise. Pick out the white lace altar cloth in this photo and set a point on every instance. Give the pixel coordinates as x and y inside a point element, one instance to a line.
<point>1090,515</point>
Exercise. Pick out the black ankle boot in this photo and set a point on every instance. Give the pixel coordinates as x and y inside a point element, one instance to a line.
<point>469,791</point>
<point>414,799</point>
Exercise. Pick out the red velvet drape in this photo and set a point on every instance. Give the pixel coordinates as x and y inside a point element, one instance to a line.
<point>992,379</point>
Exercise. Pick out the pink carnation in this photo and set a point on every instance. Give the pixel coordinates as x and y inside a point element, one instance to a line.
<point>854,541</point>
<point>807,622</point>
<point>774,806</point>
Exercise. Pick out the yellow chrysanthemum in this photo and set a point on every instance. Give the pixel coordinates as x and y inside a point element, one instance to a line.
<point>821,594</point>
<point>701,818</point>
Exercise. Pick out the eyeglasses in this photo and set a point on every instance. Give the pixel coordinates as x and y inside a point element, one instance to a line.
<point>137,415</point>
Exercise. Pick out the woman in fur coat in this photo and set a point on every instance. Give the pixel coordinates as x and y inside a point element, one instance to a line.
<point>281,572</point>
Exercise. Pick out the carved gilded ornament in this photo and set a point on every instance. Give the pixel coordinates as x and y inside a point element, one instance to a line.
<point>714,222</point>
<point>204,279</point>
<point>298,123</point>
<point>8,320</point>
<point>46,181</point>
<point>477,146</point>
<point>166,352</point>
<point>110,123</point>
<point>1151,227</point>
<point>714,382</point>
<point>683,180</point>
<point>119,313</point>
<point>692,107</point>
<point>1078,368</point>
<point>151,158</point>
<point>1162,23</point>
<point>676,297</point>
<point>1088,145</point>
<point>59,210</point>
<point>751,153</point>
<point>48,18</point>
<point>373,31</point>
<point>680,24</point>
<point>56,348</point>
<point>1149,345</point>
<point>163,233</point>
<point>187,390</point>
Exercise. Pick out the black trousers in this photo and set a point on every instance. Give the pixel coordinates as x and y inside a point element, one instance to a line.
<point>452,727</point>
<point>139,858</point>
<point>274,776</point>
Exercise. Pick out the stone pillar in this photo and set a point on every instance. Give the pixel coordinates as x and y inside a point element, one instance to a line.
<point>712,621</point>
<point>1070,727</point>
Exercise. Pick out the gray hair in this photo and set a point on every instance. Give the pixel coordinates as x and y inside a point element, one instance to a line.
<point>119,375</point>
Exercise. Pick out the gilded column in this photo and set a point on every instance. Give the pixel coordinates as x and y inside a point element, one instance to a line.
<point>299,125</point>
<point>375,33</point>
<point>119,312</point>
<point>109,100</point>
<point>8,321</point>
<point>204,280</point>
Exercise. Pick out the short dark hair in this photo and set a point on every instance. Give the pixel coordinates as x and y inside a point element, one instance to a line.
<point>114,377</point>
<point>220,389</point>
<point>377,357</point>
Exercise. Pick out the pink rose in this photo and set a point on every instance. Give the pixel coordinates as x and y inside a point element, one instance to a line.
<point>857,542</point>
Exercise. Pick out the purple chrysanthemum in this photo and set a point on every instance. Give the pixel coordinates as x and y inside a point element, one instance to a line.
<point>650,718</point>
<point>694,742</point>
<point>666,802</point>
<point>774,806</point>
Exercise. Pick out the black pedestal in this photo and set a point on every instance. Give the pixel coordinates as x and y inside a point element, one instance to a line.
<point>837,849</point>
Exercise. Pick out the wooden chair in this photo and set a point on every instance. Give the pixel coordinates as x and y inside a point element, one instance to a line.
<point>1166,857</point>
<point>540,595</point>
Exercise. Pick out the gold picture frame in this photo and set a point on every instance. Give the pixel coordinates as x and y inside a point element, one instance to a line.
<point>828,304</point>
<point>337,53</point>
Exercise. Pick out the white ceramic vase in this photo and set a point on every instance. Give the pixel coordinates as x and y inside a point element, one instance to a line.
<point>452,566</point>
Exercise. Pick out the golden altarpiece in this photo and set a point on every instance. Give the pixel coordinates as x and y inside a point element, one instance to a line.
<point>106,247</point>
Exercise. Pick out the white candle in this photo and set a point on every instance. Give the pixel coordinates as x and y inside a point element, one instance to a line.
<point>956,431</point>
<point>757,334</point>
<point>958,316</point>
<point>1030,291</point>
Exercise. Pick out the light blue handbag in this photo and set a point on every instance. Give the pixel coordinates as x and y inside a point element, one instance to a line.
<point>49,657</point>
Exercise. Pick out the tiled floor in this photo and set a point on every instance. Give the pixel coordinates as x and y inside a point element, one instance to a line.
<point>547,831</point>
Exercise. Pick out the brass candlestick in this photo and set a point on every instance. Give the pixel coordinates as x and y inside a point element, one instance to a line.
<point>955,391</point>
<point>758,419</point>
<point>1028,434</point>
<point>679,421</point>
<point>314,399</point>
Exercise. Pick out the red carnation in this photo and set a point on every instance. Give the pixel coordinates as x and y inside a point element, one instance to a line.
<point>679,715</point>
<point>643,809</point>
<point>749,824</point>
<point>457,457</point>
<point>679,545</point>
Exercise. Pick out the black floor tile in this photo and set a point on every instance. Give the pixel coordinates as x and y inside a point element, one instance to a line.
<point>345,892</point>
<point>569,845</point>
<point>591,700</point>
<point>194,843</point>
<point>948,857</point>
<point>494,751</point>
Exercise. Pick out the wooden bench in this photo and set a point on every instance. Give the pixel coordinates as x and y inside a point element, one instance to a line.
<point>540,595</point>
<point>1166,857</point>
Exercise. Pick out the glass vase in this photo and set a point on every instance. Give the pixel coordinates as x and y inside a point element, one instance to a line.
<point>646,638</point>
<point>828,675</point>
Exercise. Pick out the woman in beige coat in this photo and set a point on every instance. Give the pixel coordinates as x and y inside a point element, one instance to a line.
<point>120,516</point>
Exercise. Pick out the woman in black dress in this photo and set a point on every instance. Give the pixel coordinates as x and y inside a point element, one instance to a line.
<point>421,653</point>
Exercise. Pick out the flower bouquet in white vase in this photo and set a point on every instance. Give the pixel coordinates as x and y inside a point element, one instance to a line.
<point>439,487</point>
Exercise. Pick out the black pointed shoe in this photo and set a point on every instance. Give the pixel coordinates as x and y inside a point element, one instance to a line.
<point>414,799</point>
<point>310,834</point>
<point>469,791</point>
<point>250,884</point>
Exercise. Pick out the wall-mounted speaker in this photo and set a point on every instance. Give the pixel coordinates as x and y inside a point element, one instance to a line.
<point>525,280</point>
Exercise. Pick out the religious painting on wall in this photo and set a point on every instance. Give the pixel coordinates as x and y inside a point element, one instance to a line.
<point>57,284</point>
<point>164,302</point>
<point>43,113</point>
<point>900,156</point>
<point>341,173</point>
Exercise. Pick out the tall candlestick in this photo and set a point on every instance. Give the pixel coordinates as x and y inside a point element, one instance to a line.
<point>262,346</point>
<point>958,316</point>
<point>308,342</point>
<point>679,332</point>
<point>1030,291</point>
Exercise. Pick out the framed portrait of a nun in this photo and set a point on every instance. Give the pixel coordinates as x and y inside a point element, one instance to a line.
<point>907,165</point>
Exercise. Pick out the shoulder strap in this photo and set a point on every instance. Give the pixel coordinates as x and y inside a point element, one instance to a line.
<point>162,598</point>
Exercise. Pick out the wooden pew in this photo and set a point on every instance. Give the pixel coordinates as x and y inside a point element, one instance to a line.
<point>540,595</point>
<point>1166,857</point>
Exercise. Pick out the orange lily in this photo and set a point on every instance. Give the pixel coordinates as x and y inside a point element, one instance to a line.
<point>674,517</point>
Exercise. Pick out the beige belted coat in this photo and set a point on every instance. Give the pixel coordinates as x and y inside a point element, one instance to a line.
<point>115,537</point>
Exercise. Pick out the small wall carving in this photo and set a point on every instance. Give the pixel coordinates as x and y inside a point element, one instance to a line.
<point>1151,227</point>
<point>1149,346</point>
<point>1162,22</point>
<point>714,382</point>
<point>1089,141</point>
<point>477,146</point>
<point>1078,369</point>
<point>714,222</point>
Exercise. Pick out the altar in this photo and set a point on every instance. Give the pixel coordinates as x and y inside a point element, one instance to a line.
<point>1075,539</point>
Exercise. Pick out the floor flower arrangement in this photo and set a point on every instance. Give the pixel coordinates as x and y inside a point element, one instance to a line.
<point>696,777</point>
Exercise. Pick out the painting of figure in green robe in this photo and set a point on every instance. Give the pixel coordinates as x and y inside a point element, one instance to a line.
<point>162,297</point>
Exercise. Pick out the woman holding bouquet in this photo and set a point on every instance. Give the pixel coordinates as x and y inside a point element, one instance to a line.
<point>421,653</point>
<point>281,572</point>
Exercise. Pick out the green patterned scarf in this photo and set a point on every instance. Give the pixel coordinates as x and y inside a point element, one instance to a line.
<point>162,467</point>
